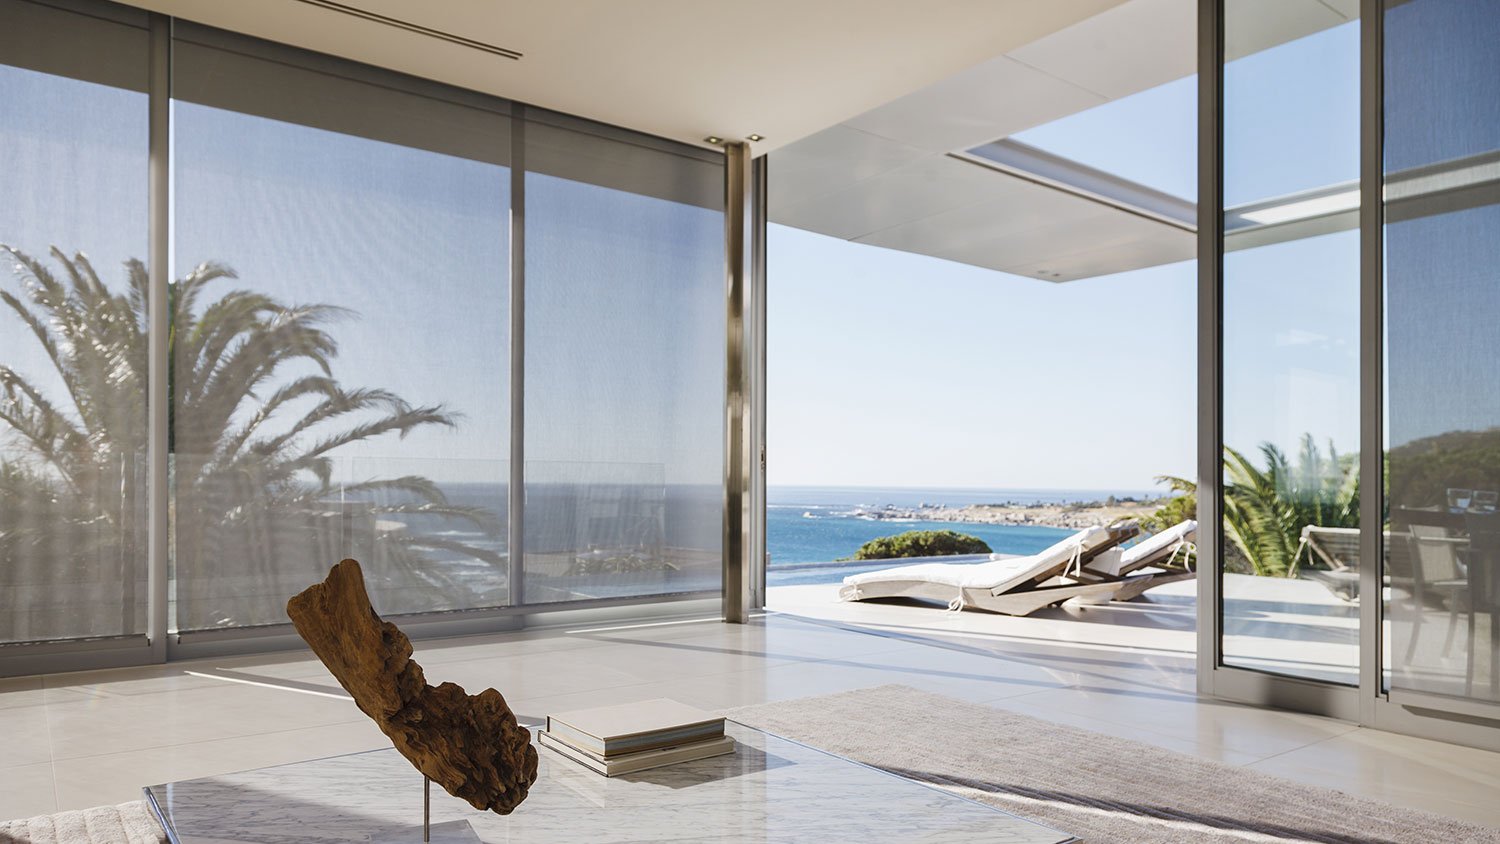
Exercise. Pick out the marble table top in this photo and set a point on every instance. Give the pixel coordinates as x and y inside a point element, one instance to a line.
<point>769,790</point>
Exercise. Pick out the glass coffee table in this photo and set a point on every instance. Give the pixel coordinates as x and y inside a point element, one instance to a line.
<point>769,790</point>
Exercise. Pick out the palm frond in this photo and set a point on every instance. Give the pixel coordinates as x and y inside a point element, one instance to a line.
<point>247,503</point>
<point>1267,507</point>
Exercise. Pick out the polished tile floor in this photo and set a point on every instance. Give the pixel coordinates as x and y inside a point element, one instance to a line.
<point>82,739</point>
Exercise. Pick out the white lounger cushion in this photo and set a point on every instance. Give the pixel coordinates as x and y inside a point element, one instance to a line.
<point>1165,541</point>
<point>1090,538</point>
<point>1159,545</point>
<point>996,574</point>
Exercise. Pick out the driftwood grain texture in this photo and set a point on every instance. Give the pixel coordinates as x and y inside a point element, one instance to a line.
<point>470,745</point>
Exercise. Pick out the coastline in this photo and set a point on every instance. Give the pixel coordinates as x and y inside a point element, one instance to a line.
<point>1073,516</point>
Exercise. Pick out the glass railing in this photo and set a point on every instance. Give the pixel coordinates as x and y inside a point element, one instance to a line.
<point>615,530</point>
<point>73,548</point>
<point>430,534</point>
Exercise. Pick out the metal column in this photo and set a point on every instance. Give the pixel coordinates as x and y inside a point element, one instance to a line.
<point>738,216</point>
<point>1371,353</point>
<point>1210,322</point>
<point>755,543</point>
<point>158,364</point>
<point>515,495</point>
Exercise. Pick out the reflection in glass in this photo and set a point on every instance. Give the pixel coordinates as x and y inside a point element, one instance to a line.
<point>338,342</point>
<point>73,147</point>
<point>624,370</point>
<point>340,349</point>
<point>1442,246</point>
<point>599,530</point>
<point>1290,564</point>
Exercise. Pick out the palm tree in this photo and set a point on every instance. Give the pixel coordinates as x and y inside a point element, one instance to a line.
<point>257,420</point>
<point>1265,509</point>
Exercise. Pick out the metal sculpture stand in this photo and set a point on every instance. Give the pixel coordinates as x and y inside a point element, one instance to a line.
<point>448,832</point>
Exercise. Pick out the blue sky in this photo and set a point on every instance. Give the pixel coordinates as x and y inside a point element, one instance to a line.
<point>1152,137</point>
<point>894,369</point>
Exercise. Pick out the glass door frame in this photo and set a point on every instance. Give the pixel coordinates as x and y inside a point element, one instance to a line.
<point>1369,703</point>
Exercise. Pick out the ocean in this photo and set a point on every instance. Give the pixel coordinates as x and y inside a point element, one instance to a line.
<point>820,524</point>
<point>571,524</point>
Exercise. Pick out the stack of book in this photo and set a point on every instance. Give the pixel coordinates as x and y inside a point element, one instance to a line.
<point>615,740</point>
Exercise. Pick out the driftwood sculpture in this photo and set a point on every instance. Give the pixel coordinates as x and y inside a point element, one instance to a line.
<point>470,745</point>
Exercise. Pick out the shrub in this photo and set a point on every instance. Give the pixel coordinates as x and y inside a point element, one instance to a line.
<point>921,543</point>
<point>1421,471</point>
<point>1181,505</point>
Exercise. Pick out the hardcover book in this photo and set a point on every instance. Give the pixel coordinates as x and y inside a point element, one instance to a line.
<point>609,731</point>
<point>644,760</point>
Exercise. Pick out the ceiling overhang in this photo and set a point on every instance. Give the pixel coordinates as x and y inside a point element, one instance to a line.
<point>679,69</point>
<point>933,173</point>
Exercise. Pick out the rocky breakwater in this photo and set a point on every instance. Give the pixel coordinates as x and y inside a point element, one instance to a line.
<point>1073,515</point>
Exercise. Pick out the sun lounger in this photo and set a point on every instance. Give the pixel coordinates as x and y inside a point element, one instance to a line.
<point>1171,551</point>
<point>1338,549</point>
<point>1169,548</point>
<point>1013,586</point>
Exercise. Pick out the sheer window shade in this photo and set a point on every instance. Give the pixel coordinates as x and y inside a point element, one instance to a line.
<point>624,368</point>
<point>371,213</point>
<point>72,414</point>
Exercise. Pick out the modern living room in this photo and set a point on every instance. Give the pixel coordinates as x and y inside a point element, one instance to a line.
<point>296,293</point>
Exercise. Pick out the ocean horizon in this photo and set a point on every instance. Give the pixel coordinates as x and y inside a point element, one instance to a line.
<point>804,524</point>
<point>818,524</point>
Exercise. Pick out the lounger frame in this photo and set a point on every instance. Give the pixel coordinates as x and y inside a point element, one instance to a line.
<point>1043,588</point>
<point>1069,580</point>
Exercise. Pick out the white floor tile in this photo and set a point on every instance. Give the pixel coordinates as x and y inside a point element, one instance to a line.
<point>97,737</point>
<point>1457,781</point>
<point>25,739</point>
<point>28,791</point>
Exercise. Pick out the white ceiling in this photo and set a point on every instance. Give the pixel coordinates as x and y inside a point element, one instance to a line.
<point>888,177</point>
<point>682,69</point>
<point>862,99</point>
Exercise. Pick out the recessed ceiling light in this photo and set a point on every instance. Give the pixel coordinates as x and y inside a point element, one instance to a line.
<point>755,138</point>
<point>713,139</point>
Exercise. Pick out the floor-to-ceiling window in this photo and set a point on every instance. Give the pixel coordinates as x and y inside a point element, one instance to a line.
<point>1442,287</point>
<point>341,353</point>
<point>342,296</point>
<point>624,368</point>
<point>73,325</point>
<point>1290,341</point>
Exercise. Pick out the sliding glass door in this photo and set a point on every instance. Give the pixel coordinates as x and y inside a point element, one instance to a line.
<point>1289,561</point>
<point>1442,380</point>
<point>1351,231</point>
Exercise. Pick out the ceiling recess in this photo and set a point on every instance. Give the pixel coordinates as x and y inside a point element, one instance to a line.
<point>428,31</point>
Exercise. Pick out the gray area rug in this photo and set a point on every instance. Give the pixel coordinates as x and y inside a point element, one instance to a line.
<point>127,823</point>
<point>1088,784</point>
